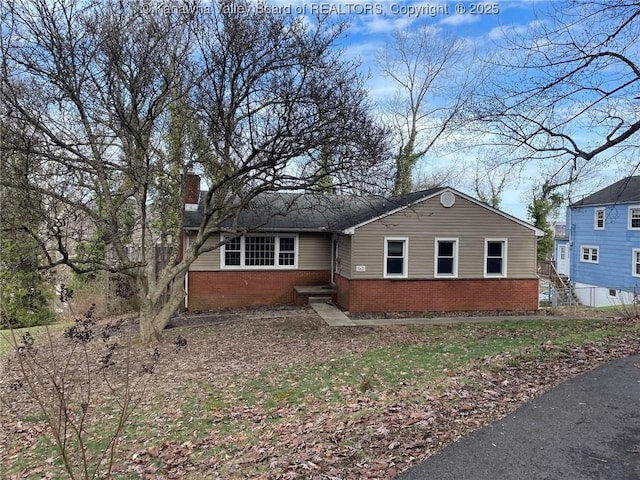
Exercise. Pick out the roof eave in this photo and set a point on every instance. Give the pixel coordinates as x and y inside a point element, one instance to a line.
<point>603,204</point>
<point>353,228</point>
<point>537,231</point>
<point>278,229</point>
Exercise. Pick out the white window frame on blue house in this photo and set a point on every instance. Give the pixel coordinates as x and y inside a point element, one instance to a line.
<point>590,250</point>
<point>277,253</point>
<point>598,219</point>
<point>635,262</point>
<point>633,214</point>
<point>405,256</point>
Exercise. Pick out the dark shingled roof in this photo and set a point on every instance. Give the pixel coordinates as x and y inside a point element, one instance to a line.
<point>310,212</point>
<point>626,190</point>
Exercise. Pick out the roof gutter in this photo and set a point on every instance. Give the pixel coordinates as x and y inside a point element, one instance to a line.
<point>278,229</point>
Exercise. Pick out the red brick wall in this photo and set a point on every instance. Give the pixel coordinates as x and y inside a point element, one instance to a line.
<point>211,290</point>
<point>342,291</point>
<point>441,295</point>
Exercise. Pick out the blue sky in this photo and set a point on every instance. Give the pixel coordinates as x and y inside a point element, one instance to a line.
<point>463,18</point>
<point>482,25</point>
<point>369,32</point>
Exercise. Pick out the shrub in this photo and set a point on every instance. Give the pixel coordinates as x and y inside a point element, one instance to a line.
<point>86,385</point>
<point>25,300</point>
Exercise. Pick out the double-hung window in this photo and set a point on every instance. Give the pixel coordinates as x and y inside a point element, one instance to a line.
<point>446,257</point>
<point>635,255</point>
<point>395,257</point>
<point>287,251</point>
<point>634,218</point>
<point>598,219</point>
<point>260,252</point>
<point>232,252</point>
<point>495,264</point>
<point>589,254</point>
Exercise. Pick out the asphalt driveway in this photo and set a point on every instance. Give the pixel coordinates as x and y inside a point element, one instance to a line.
<point>586,428</point>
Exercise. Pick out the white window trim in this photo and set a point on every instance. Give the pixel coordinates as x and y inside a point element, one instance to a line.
<point>590,247</point>
<point>504,258</point>
<point>595,219</point>
<point>455,258</point>
<point>631,207</point>
<point>634,252</point>
<point>405,259</point>
<point>276,237</point>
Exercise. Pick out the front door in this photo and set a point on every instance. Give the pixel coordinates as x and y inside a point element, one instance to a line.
<point>562,259</point>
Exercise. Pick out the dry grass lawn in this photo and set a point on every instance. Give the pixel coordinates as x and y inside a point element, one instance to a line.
<point>277,394</point>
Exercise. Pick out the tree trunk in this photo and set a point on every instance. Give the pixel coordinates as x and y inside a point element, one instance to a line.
<point>150,330</point>
<point>155,314</point>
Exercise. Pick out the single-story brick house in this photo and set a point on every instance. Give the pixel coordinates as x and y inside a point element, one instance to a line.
<point>435,250</point>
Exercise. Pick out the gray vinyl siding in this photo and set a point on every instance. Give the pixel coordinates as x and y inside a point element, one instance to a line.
<point>421,224</point>
<point>209,261</point>
<point>344,255</point>
<point>314,253</point>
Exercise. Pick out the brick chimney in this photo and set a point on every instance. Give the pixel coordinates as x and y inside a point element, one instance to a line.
<point>191,192</point>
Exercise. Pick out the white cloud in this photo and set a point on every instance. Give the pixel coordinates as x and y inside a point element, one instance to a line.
<point>513,31</point>
<point>379,24</point>
<point>456,20</point>
<point>364,52</point>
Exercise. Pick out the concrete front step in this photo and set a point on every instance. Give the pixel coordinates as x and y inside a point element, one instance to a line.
<point>324,299</point>
<point>303,294</point>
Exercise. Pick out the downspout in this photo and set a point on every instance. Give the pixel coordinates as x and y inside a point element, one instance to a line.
<point>333,259</point>
<point>186,276</point>
<point>191,185</point>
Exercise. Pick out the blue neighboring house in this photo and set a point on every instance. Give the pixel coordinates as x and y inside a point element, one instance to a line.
<point>601,252</point>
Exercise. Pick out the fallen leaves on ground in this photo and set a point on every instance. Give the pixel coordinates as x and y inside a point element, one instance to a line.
<point>193,422</point>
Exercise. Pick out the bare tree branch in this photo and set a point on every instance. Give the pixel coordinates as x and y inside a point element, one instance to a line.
<point>432,90</point>
<point>569,92</point>
<point>112,104</point>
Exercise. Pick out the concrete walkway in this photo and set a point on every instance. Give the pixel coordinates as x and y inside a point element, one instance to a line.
<point>586,428</point>
<point>336,318</point>
<point>332,315</point>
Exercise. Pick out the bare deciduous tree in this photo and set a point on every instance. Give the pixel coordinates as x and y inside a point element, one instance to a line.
<point>112,103</point>
<point>568,92</point>
<point>489,182</point>
<point>432,82</point>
